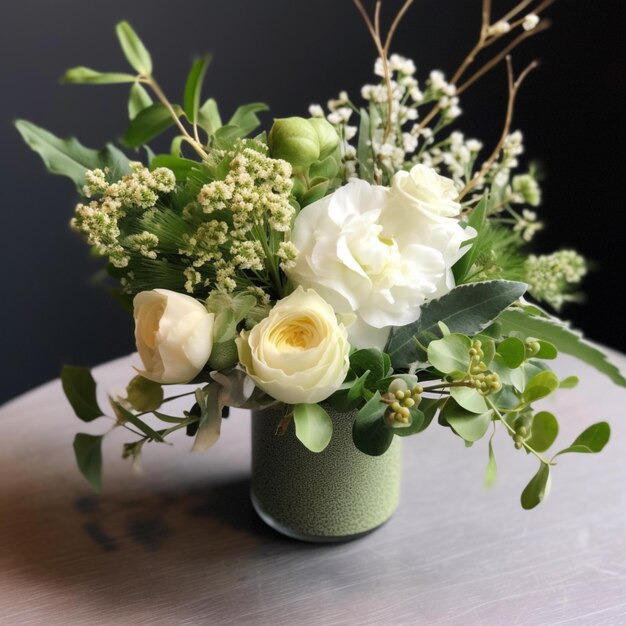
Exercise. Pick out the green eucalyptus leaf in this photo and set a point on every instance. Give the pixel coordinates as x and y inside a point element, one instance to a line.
<point>592,440</point>
<point>87,76</point>
<point>364,154</point>
<point>470,426</point>
<point>88,452</point>
<point>469,399</point>
<point>209,401</point>
<point>513,352</point>
<point>537,489</point>
<point>68,157</point>
<point>134,50</point>
<point>209,117</point>
<point>467,309</point>
<point>80,389</point>
<point>547,350</point>
<point>370,433</point>
<point>148,124</point>
<point>569,383</point>
<point>429,408</point>
<point>540,386</point>
<point>450,354</point>
<point>491,471</point>
<point>476,220</point>
<point>314,428</point>
<point>565,340</point>
<point>193,88</point>
<point>544,431</point>
<point>138,100</point>
<point>415,425</point>
<point>245,117</point>
<point>181,167</point>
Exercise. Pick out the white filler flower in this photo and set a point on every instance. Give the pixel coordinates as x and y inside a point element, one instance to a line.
<point>378,254</point>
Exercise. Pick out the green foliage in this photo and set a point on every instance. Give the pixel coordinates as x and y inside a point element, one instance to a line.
<point>245,118</point>
<point>364,154</point>
<point>491,470</point>
<point>370,432</point>
<point>450,354</point>
<point>537,489</point>
<point>468,425</point>
<point>513,352</point>
<point>564,338</point>
<point>88,453</point>
<point>68,157</point>
<point>314,428</point>
<point>467,309</point>
<point>544,431</point>
<point>181,167</point>
<point>86,76</point>
<point>148,124</point>
<point>138,100</point>
<point>209,117</point>
<point>476,220</point>
<point>80,389</point>
<point>124,416</point>
<point>134,50</point>
<point>590,441</point>
<point>209,426</point>
<point>540,386</point>
<point>193,88</point>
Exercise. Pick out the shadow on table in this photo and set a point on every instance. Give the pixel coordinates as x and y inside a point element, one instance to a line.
<point>129,534</point>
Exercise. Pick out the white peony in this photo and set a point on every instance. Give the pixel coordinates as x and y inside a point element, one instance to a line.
<point>174,335</point>
<point>299,353</point>
<point>378,254</point>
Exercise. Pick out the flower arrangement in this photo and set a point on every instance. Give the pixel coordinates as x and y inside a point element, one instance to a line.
<point>365,258</point>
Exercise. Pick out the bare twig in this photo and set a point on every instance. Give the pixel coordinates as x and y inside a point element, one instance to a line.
<point>394,24</point>
<point>514,86</point>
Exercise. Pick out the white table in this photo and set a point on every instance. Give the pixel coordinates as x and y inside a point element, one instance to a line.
<point>180,544</point>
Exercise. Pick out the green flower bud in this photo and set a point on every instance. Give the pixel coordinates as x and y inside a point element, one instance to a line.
<point>223,355</point>
<point>326,135</point>
<point>295,140</point>
<point>143,394</point>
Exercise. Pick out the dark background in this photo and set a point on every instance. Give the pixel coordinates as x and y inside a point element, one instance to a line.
<point>287,53</point>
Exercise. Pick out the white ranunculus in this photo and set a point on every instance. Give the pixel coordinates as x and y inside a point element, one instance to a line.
<point>299,354</point>
<point>371,254</point>
<point>174,335</point>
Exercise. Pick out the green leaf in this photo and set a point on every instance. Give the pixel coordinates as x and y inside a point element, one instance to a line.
<point>450,354</point>
<point>469,399</point>
<point>491,471</point>
<point>544,431</point>
<point>225,136</point>
<point>149,123</point>
<point>372,360</point>
<point>370,433</point>
<point>245,117</point>
<point>415,426</point>
<point>193,88</point>
<point>569,383</point>
<point>513,352</point>
<point>314,428</point>
<point>470,426</point>
<point>88,452</point>
<point>80,389</point>
<point>68,157</point>
<point>476,220</point>
<point>87,76</point>
<point>181,167</point>
<point>209,117</point>
<point>138,100</point>
<point>547,350</point>
<point>364,152</point>
<point>591,440</point>
<point>315,193</point>
<point>564,339</point>
<point>210,425</point>
<point>467,309</point>
<point>328,168</point>
<point>134,50</point>
<point>540,386</point>
<point>126,416</point>
<point>537,489</point>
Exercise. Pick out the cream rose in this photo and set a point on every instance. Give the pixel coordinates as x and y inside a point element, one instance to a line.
<point>299,353</point>
<point>174,335</point>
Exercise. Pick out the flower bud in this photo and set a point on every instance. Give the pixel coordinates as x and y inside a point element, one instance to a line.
<point>295,140</point>
<point>326,135</point>
<point>143,394</point>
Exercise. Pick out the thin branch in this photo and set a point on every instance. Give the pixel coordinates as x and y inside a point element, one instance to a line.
<point>394,24</point>
<point>486,18</point>
<point>514,86</point>
<point>515,10</point>
<point>545,24</point>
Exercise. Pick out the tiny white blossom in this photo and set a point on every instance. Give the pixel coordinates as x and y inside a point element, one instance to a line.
<point>530,21</point>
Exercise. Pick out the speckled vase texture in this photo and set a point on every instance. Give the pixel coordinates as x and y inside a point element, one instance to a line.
<point>337,494</point>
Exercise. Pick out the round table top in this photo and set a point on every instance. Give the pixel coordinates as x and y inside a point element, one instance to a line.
<point>180,543</point>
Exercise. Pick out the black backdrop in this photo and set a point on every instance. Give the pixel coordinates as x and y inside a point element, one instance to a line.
<point>287,53</point>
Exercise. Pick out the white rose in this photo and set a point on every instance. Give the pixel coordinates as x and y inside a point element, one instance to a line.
<point>299,354</point>
<point>174,335</point>
<point>370,260</point>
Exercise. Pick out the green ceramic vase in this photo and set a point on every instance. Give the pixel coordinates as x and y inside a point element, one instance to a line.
<point>335,495</point>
